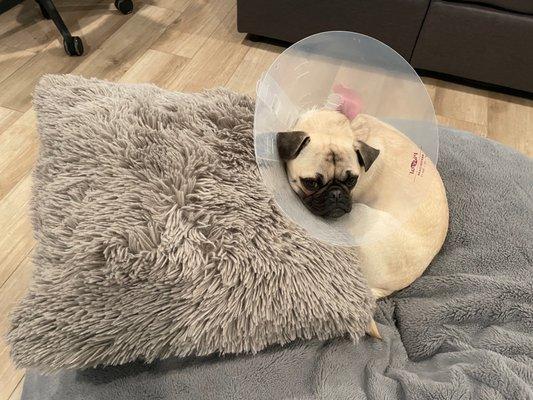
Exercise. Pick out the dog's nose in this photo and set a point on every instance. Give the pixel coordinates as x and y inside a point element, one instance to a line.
<point>336,194</point>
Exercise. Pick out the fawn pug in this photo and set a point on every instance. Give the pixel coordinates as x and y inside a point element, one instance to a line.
<point>334,162</point>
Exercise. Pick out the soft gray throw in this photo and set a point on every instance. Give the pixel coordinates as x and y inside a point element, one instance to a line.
<point>462,331</point>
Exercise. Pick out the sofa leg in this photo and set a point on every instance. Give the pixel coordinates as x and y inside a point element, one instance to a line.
<point>254,38</point>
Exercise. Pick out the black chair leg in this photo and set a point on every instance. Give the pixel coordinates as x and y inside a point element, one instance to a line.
<point>72,44</point>
<point>43,10</point>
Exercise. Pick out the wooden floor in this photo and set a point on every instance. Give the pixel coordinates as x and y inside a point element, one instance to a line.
<point>177,44</point>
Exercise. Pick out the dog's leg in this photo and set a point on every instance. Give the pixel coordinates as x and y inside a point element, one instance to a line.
<point>379,293</point>
<point>372,329</point>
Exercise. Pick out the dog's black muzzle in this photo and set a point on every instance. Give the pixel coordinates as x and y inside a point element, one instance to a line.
<point>332,201</point>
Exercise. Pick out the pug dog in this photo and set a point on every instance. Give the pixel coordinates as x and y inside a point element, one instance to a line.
<point>334,163</point>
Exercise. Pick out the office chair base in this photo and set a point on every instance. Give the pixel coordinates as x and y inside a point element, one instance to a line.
<point>44,12</point>
<point>124,6</point>
<point>73,45</point>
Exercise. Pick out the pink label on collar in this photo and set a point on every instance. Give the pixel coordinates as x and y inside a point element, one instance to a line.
<point>417,166</point>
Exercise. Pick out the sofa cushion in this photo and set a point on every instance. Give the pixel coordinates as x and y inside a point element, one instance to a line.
<point>476,42</point>
<point>394,22</point>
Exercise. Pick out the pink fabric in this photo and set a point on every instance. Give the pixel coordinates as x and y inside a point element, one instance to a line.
<point>351,104</point>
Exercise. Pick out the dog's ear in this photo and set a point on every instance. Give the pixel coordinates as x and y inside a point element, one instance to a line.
<point>366,155</point>
<point>290,144</point>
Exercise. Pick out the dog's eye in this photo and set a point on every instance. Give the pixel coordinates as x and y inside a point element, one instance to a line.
<point>310,184</point>
<point>350,180</point>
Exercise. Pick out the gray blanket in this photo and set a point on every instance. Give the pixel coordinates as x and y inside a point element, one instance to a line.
<point>464,330</point>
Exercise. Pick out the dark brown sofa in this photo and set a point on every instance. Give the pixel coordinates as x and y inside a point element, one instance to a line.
<point>489,41</point>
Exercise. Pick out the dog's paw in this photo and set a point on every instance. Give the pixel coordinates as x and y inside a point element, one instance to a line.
<point>372,330</point>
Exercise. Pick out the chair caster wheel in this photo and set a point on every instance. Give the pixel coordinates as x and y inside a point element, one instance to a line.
<point>73,46</point>
<point>124,6</point>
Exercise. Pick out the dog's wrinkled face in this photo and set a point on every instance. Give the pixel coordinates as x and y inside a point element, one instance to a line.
<point>323,162</point>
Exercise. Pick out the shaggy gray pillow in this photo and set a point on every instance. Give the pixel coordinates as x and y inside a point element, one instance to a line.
<point>156,238</point>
